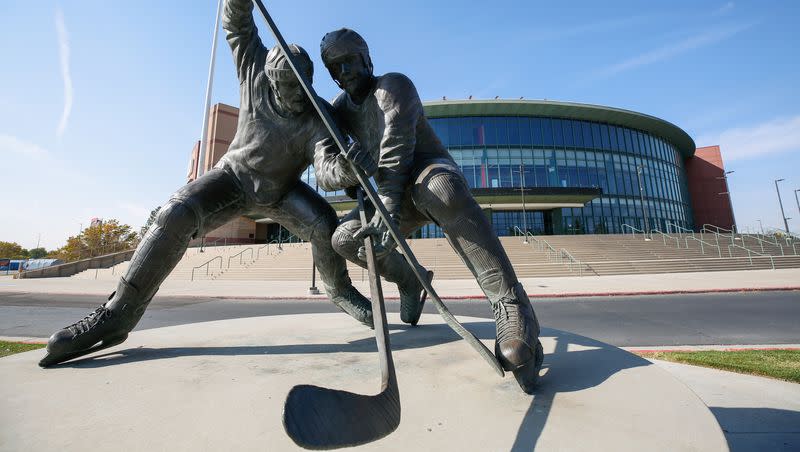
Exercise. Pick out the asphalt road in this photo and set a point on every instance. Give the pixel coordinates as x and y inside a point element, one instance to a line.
<point>731,318</point>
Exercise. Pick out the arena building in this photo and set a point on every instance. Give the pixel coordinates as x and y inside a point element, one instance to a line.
<point>549,168</point>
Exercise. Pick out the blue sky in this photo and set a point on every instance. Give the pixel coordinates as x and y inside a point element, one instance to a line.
<point>101,101</point>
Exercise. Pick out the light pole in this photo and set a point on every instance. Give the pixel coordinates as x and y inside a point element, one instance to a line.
<point>313,290</point>
<point>522,193</point>
<point>730,201</point>
<point>796,199</point>
<point>201,151</point>
<point>639,169</point>
<point>761,226</point>
<point>783,215</point>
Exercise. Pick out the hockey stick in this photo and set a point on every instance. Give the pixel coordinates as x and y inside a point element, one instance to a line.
<point>322,418</point>
<point>380,209</point>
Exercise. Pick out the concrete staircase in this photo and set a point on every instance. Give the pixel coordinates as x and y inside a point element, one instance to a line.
<point>543,256</point>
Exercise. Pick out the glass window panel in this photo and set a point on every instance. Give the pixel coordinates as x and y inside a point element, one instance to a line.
<point>558,132</point>
<point>536,131</point>
<point>612,135</point>
<point>452,131</point>
<point>605,137</point>
<point>547,132</point>
<point>513,131</point>
<point>524,131</point>
<point>587,135</point>
<point>569,138</point>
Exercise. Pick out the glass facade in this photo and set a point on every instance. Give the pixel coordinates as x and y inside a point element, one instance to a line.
<point>627,164</point>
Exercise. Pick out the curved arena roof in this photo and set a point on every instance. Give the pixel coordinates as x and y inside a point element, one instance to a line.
<point>564,110</point>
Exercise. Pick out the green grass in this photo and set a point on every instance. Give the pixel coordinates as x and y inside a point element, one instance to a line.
<point>9,348</point>
<point>780,364</point>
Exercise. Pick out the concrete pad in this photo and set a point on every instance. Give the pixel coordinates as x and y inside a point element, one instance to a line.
<point>221,386</point>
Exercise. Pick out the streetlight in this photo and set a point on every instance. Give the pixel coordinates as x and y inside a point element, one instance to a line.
<point>522,193</point>
<point>730,202</point>
<point>313,290</point>
<point>639,169</point>
<point>761,226</point>
<point>785,220</point>
<point>797,200</point>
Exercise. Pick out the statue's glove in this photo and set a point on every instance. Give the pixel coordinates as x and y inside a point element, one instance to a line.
<point>352,192</point>
<point>361,158</point>
<point>384,242</point>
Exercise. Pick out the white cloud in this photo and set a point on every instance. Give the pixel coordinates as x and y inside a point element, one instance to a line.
<point>771,137</point>
<point>724,9</point>
<point>14,145</point>
<point>63,52</point>
<point>671,50</point>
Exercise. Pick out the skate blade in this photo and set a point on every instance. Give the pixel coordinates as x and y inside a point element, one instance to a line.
<point>50,360</point>
<point>422,299</point>
<point>527,375</point>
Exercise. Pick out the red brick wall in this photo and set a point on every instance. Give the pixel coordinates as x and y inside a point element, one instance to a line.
<point>708,205</point>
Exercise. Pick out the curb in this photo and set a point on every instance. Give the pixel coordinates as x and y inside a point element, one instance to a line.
<point>470,297</point>
<point>705,348</point>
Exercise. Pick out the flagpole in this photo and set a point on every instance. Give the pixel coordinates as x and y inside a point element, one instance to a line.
<point>204,134</point>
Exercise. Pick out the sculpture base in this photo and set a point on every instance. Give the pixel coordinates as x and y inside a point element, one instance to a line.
<point>221,386</point>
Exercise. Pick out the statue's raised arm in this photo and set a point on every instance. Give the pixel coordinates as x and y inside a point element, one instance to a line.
<point>249,52</point>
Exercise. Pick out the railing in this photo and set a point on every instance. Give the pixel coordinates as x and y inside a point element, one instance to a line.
<point>240,255</point>
<point>206,265</point>
<point>761,242</point>
<point>749,256</point>
<point>571,260</point>
<point>633,231</point>
<point>717,229</point>
<point>258,251</point>
<point>679,228</point>
<point>551,252</point>
<point>525,234</point>
<point>664,238</point>
<point>702,243</point>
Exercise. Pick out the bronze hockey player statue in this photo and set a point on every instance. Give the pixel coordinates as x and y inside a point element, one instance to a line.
<point>275,141</point>
<point>419,182</point>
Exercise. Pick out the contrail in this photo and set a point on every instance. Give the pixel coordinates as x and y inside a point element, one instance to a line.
<point>63,50</point>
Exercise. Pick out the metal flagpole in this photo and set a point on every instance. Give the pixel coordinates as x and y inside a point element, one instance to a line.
<point>204,134</point>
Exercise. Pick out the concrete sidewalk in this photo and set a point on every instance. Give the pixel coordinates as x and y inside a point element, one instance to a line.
<point>755,413</point>
<point>666,283</point>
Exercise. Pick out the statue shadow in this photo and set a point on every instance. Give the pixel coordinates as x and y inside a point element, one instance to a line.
<point>568,371</point>
<point>756,429</point>
<point>402,337</point>
<point>563,370</point>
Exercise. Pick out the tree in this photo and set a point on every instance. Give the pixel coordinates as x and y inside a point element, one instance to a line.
<point>103,238</point>
<point>12,250</point>
<point>150,220</point>
<point>37,253</point>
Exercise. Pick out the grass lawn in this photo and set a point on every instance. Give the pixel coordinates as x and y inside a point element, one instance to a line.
<point>780,364</point>
<point>9,348</point>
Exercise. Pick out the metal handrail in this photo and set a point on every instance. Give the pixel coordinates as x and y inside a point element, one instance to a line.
<point>679,228</point>
<point>633,230</point>
<point>665,236</point>
<point>240,255</point>
<point>551,251</point>
<point>749,256</point>
<point>702,242</point>
<point>761,242</point>
<point>527,235</point>
<point>258,251</point>
<point>718,229</point>
<point>206,265</point>
<point>572,260</point>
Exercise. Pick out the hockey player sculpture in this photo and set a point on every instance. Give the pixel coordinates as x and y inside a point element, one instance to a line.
<point>419,183</point>
<point>275,141</point>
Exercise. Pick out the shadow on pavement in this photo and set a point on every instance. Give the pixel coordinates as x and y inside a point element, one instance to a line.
<point>568,371</point>
<point>402,337</point>
<point>759,429</point>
